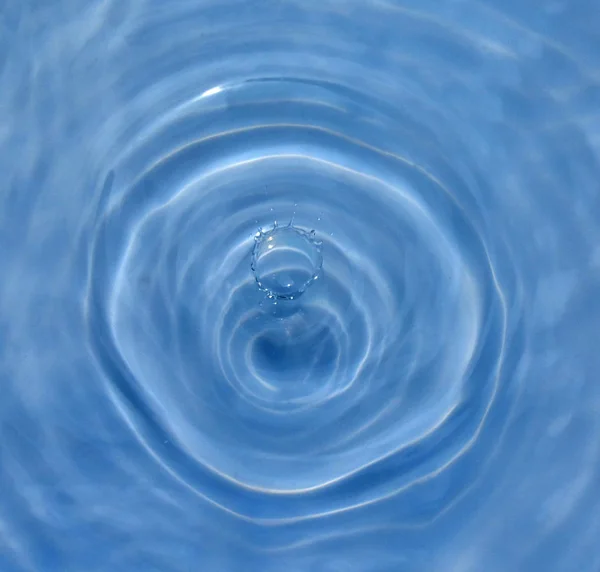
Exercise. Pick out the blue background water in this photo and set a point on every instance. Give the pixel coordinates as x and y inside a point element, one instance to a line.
<point>431,404</point>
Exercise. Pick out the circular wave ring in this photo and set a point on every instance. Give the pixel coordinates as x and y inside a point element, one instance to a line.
<point>389,364</point>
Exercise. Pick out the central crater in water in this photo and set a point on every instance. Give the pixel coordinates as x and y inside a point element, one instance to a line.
<point>286,261</point>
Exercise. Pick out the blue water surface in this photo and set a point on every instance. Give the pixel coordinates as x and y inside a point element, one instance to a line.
<point>430,403</point>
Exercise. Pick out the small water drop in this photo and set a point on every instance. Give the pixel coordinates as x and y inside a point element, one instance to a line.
<point>286,261</point>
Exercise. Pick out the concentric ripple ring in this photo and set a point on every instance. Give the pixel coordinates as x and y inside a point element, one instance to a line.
<point>207,364</point>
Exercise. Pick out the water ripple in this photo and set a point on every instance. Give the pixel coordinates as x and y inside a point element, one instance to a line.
<point>426,402</point>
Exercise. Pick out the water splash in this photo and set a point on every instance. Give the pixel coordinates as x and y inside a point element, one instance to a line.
<point>286,261</point>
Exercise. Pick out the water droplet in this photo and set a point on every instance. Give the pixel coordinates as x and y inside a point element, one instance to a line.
<point>286,261</point>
